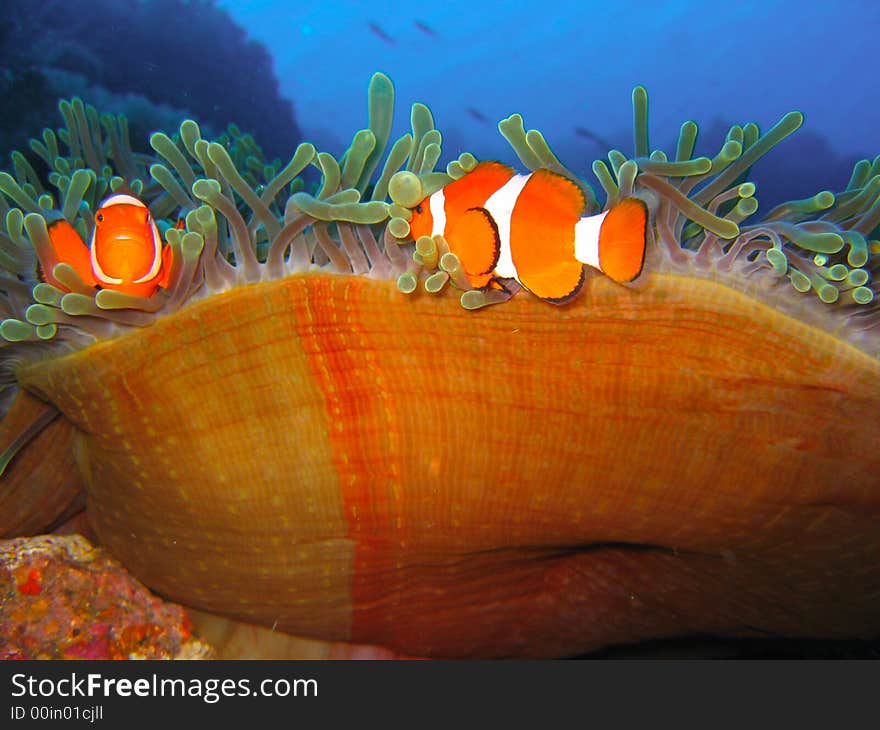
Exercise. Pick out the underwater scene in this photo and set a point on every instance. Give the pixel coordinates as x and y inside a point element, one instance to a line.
<point>485,330</point>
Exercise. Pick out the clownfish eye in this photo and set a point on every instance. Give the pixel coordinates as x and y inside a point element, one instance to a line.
<point>418,208</point>
<point>100,217</point>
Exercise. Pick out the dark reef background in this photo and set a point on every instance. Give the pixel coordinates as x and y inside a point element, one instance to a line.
<point>156,61</point>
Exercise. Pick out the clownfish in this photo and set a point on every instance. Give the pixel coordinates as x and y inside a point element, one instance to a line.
<point>530,228</point>
<point>125,252</point>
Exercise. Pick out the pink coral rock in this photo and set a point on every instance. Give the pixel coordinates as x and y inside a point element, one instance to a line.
<point>63,598</point>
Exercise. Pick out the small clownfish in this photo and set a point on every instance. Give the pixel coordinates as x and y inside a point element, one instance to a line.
<point>125,253</point>
<point>530,228</point>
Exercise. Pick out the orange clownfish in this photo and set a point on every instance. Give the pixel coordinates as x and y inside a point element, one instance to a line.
<point>530,228</point>
<point>125,253</point>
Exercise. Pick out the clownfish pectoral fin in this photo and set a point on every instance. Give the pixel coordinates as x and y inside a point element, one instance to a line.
<point>66,248</point>
<point>622,240</point>
<point>496,291</point>
<point>500,290</point>
<point>474,238</point>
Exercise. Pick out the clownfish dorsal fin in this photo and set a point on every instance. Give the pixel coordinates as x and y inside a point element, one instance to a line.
<point>492,167</point>
<point>477,242</point>
<point>563,194</point>
<point>476,187</point>
<point>622,239</point>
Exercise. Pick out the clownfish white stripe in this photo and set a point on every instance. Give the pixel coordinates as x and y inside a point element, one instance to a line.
<point>157,255</point>
<point>500,205</point>
<point>586,239</point>
<point>122,199</point>
<point>438,212</point>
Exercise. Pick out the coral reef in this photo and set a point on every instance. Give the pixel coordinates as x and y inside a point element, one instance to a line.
<point>62,598</point>
<point>309,428</point>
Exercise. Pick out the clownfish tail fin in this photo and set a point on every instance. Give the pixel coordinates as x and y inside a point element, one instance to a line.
<point>622,240</point>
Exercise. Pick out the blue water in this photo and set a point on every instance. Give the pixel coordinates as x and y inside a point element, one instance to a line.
<point>564,65</point>
<point>568,67</point>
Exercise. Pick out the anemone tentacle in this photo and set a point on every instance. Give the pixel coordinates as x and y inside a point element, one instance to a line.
<point>249,220</point>
<point>246,220</point>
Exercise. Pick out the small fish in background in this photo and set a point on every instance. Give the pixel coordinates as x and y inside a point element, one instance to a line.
<point>585,133</point>
<point>125,253</point>
<point>478,115</point>
<point>530,228</point>
<point>425,28</point>
<point>377,31</point>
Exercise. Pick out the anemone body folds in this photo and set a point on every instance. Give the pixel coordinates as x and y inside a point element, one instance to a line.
<point>319,452</point>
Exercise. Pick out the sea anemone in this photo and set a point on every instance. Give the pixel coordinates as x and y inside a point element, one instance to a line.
<point>284,436</point>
